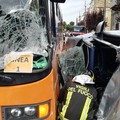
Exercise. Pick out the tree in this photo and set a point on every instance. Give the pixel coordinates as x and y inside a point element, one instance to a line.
<point>100,16</point>
<point>92,19</point>
<point>64,25</point>
<point>68,27</point>
<point>72,23</point>
<point>82,22</point>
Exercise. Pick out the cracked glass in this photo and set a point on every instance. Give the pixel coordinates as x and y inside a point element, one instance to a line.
<point>21,28</point>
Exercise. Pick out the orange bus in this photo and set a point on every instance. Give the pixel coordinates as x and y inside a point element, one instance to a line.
<point>29,83</point>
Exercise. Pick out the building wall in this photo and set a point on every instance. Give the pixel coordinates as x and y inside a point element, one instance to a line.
<point>96,5</point>
<point>108,18</point>
<point>115,24</point>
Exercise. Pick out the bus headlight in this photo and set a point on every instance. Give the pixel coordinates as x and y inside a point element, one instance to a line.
<point>30,111</point>
<point>16,112</point>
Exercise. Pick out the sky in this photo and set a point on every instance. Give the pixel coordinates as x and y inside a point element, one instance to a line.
<point>71,9</point>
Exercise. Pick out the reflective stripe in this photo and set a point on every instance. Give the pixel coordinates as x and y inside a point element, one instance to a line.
<point>85,109</point>
<point>64,109</point>
<point>92,76</point>
<point>62,118</point>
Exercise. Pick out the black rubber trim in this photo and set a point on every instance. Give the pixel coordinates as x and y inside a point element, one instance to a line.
<point>9,79</point>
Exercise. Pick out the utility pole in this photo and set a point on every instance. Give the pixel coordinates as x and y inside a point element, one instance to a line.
<point>85,13</point>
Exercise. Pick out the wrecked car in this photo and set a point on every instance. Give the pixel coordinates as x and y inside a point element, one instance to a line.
<point>100,53</point>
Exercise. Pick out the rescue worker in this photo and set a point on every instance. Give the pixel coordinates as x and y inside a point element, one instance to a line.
<point>78,98</point>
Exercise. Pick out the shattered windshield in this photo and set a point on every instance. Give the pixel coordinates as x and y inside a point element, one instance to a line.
<point>71,63</point>
<point>21,28</point>
<point>7,6</point>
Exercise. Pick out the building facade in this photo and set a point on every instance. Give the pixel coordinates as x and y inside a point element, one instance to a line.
<point>115,13</point>
<point>97,5</point>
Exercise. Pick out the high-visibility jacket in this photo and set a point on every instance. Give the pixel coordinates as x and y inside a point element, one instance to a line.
<point>80,102</point>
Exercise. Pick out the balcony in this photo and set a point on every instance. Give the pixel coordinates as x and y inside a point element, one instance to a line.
<point>115,5</point>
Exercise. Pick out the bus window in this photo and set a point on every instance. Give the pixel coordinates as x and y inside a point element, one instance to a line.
<point>79,29</point>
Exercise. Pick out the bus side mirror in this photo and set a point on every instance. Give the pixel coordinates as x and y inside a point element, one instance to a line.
<point>58,1</point>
